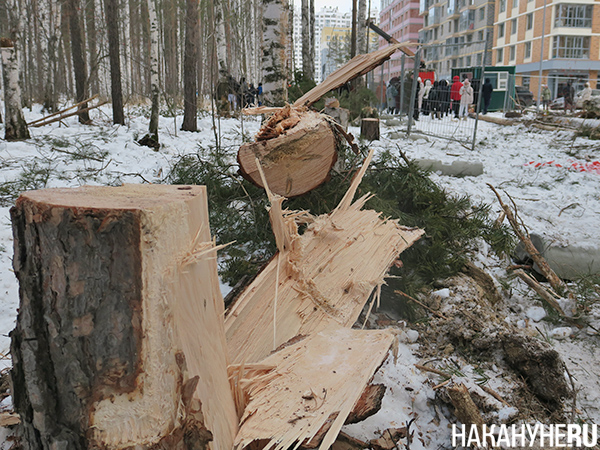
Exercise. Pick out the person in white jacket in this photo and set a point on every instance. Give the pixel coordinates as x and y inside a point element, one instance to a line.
<point>466,98</point>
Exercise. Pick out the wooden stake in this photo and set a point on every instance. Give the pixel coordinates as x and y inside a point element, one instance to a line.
<point>64,116</point>
<point>43,119</point>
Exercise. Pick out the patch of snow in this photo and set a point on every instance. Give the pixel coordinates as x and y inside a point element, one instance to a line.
<point>536,313</point>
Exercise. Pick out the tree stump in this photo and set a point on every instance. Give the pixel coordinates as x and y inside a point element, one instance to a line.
<point>119,339</point>
<point>369,129</point>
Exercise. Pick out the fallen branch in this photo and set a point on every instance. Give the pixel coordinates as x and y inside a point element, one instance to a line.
<point>465,409</point>
<point>541,291</point>
<point>522,233</point>
<point>79,111</point>
<point>432,370</point>
<point>43,119</point>
<point>441,316</point>
<point>494,394</point>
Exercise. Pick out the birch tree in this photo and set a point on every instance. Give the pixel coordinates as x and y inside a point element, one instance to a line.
<point>151,139</point>
<point>15,125</point>
<point>308,33</point>
<point>190,65</point>
<point>361,27</point>
<point>275,51</point>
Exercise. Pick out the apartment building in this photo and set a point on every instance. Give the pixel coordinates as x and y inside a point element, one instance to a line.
<point>454,33</point>
<point>401,20</point>
<point>560,38</point>
<point>335,46</point>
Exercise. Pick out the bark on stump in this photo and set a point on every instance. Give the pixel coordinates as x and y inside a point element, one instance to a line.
<point>369,129</point>
<point>119,294</point>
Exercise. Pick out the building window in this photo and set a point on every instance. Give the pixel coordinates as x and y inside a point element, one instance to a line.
<point>467,61</point>
<point>500,56</point>
<point>502,6</point>
<point>480,35</point>
<point>513,26</point>
<point>571,47</point>
<point>529,21</point>
<point>573,16</point>
<point>527,50</point>
<point>515,3</point>
<point>513,52</point>
<point>500,30</point>
<point>482,13</point>
<point>479,59</point>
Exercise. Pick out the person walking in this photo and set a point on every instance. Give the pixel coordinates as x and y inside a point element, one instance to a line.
<point>466,98</point>
<point>569,96</point>
<point>444,97</point>
<point>586,94</point>
<point>546,96</point>
<point>434,101</point>
<point>426,100</point>
<point>455,95</point>
<point>390,93</point>
<point>486,91</point>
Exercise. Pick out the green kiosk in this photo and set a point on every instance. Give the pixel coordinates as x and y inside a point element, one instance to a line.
<point>501,77</point>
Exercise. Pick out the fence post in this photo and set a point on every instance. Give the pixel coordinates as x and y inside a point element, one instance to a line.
<point>481,81</point>
<point>413,92</point>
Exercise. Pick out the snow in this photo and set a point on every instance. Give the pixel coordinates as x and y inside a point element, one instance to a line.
<point>554,198</point>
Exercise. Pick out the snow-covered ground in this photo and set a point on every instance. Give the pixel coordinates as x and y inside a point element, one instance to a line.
<point>557,200</point>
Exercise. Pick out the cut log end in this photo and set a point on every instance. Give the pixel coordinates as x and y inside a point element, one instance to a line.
<point>296,154</point>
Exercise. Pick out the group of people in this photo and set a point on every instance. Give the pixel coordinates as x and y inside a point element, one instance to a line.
<point>240,94</point>
<point>437,99</point>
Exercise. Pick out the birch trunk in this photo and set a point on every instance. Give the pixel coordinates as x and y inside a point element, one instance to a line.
<point>361,28</point>
<point>15,125</point>
<point>223,65</point>
<point>151,139</point>
<point>274,51</point>
<point>189,67</point>
<point>308,51</point>
<point>111,11</point>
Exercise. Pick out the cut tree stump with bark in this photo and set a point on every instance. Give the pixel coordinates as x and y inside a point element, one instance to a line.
<point>119,339</point>
<point>296,149</point>
<point>369,129</point>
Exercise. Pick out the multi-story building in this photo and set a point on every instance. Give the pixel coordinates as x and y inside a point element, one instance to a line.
<point>560,38</point>
<point>401,20</point>
<point>455,33</point>
<point>335,48</point>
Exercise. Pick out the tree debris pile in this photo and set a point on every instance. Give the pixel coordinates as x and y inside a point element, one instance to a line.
<point>161,372</point>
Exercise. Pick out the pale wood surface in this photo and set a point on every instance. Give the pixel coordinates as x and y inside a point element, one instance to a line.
<point>319,279</point>
<point>315,380</point>
<point>296,161</point>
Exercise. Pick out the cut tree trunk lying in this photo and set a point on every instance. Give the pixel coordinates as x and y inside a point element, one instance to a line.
<point>120,317</point>
<point>296,148</point>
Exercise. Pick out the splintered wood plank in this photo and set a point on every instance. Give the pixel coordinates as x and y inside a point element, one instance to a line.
<point>128,313</point>
<point>295,159</point>
<point>319,279</point>
<point>314,383</point>
<point>357,66</point>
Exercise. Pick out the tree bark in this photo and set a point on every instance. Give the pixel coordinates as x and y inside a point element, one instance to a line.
<point>15,126</point>
<point>171,60</point>
<point>361,27</point>
<point>274,51</point>
<point>151,139</point>
<point>90,21</point>
<point>111,10</point>
<point>120,321</point>
<point>369,129</point>
<point>190,66</point>
<point>77,51</point>
<point>308,51</point>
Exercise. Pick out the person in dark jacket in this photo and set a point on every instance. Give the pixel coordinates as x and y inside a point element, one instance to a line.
<point>434,101</point>
<point>455,95</point>
<point>444,97</point>
<point>486,91</point>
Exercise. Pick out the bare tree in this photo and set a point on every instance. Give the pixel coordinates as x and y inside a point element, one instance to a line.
<point>308,47</point>
<point>189,66</point>
<point>77,51</point>
<point>361,26</point>
<point>111,12</point>
<point>15,127</point>
<point>274,51</point>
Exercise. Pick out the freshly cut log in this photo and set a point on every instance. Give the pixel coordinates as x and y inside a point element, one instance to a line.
<point>119,339</point>
<point>291,395</point>
<point>296,148</point>
<point>369,129</point>
<point>317,280</point>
